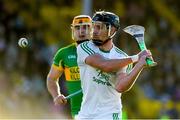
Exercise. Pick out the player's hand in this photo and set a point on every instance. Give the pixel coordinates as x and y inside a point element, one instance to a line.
<point>144,52</point>
<point>60,99</point>
<point>143,55</point>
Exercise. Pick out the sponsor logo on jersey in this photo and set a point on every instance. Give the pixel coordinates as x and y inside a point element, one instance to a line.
<point>102,78</point>
<point>72,74</point>
<point>71,56</point>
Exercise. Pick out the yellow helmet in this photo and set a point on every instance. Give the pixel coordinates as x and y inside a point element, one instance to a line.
<point>82,20</point>
<point>81,28</point>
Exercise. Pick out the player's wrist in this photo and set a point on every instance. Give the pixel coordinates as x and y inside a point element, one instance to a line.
<point>56,97</point>
<point>134,58</point>
<point>141,64</point>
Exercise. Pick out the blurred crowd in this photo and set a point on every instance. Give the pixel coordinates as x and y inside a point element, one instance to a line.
<point>46,25</point>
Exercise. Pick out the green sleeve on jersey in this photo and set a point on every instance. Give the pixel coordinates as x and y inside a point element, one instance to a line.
<point>58,58</point>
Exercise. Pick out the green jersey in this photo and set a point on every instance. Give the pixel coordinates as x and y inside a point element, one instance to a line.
<point>66,60</point>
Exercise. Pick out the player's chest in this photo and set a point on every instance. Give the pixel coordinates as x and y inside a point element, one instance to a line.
<point>70,59</point>
<point>110,55</point>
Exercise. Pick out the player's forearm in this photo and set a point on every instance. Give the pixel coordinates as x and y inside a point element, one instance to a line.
<point>124,84</point>
<point>53,87</point>
<point>115,64</point>
<point>107,65</point>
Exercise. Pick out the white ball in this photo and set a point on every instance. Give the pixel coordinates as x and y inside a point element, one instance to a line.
<point>23,42</point>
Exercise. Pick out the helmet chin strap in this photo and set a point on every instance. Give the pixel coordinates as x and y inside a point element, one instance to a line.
<point>98,42</point>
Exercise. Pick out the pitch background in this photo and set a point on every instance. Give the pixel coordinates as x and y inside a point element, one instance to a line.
<point>46,24</point>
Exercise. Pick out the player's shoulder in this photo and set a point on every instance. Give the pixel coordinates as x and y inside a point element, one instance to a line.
<point>119,51</point>
<point>87,46</point>
<point>67,48</point>
<point>72,45</point>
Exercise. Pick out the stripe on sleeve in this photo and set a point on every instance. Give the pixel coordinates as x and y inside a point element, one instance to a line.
<point>85,47</point>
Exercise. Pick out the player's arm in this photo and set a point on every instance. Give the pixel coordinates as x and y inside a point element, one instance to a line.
<point>112,65</point>
<point>125,81</point>
<point>107,65</point>
<point>53,85</point>
<point>88,56</point>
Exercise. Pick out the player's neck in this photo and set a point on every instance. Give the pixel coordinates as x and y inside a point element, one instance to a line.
<point>107,46</point>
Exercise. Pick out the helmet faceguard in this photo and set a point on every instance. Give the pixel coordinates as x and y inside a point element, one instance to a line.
<point>81,28</point>
<point>104,21</point>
